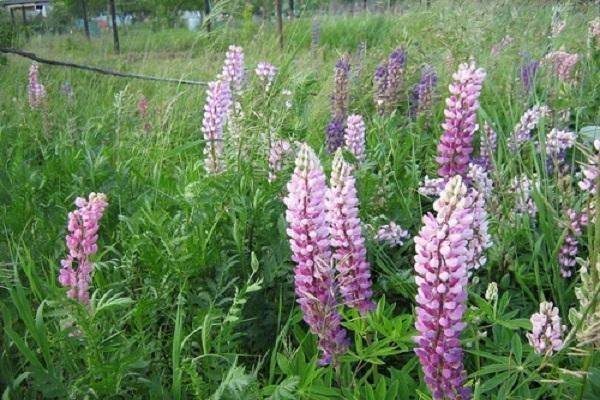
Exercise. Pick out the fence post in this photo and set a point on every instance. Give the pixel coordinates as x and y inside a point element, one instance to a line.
<point>207,13</point>
<point>291,7</point>
<point>86,26</point>
<point>115,29</point>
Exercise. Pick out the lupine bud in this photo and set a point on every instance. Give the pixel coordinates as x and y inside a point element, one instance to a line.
<point>233,69</point>
<point>487,147</point>
<point>216,110</point>
<point>588,333</point>
<point>456,143</point>
<point>279,151</point>
<point>501,45</point>
<point>491,293</point>
<point>529,121</point>
<point>442,276</point>
<point>308,230</point>
<point>354,277</point>
<point>266,73</point>
<point>355,136</point>
<point>422,97</point>
<point>562,62</point>
<point>546,336</point>
<point>391,234</point>
<point>82,243</point>
<point>36,91</point>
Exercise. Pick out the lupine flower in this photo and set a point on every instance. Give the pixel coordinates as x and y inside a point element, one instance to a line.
<point>422,97</point>
<point>354,277</point>
<point>487,146</point>
<point>391,234</point>
<point>339,105</point>
<point>309,241</point>
<point>480,180</point>
<point>361,52</point>
<point>594,32</point>
<point>431,187</point>
<point>491,293</point>
<point>315,34</point>
<point>529,121</point>
<point>355,136</point>
<point>442,277</point>
<point>558,142</point>
<point>481,240</point>
<point>546,336</point>
<point>588,333</point>
<point>501,45</point>
<point>36,91</point>
<point>388,81</point>
<point>527,74</point>
<point>279,151</point>
<point>524,204</point>
<point>82,243</point>
<point>589,171</point>
<point>233,69</point>
<point>266,73</point>
<point>287,95</point>
<point>216,110</point>
<point>562,62</point>
<point>456,143</point>
<point>67,89</point>
<point>558,27</point>
<point>142,106</point>
<point>568,250</point>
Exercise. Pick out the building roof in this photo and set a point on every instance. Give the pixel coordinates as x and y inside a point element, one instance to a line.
<point>25,2</point>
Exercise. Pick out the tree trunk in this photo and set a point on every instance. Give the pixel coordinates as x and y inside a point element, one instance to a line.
<point>207,13</point>
<point>291,7</point>
<point>86,26</point>
<point>113,15</point>
<point>279,23</point>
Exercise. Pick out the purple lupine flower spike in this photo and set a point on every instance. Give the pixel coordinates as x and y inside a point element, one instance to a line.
<point>355,136</point>
<point>233,68</point>
<point>280,150</point>
<point>546,336</point>
<point>82,243</point>
<point>216,110</point>
<point>334,132</point>
<point>442,253</point>
<point>487,147</point>
<point>354,277</point>
<point>388,81</point>
<point>391,234</point>
<point>266,73</point>
<point>568,250</point>
<point>422,96</point>
<point>380,83</point>
<point>308,230</point>
<point>456,143</point>
<point>563,64</point>
<point>528,122</point>
<point>527,74</point>
<point>36,91</point>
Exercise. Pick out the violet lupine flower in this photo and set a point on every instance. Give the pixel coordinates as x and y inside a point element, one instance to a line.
<point>442,277</point>
<point>36,91</point>
<point>387,82</point>
<point>562,62</point>
<point>501,45</point>
<point>590,171</point>
<point>431,187</point>
<point>334,132</point>
<point>379,88</point>
<point>233,68</point>
<point>354,276</point>
<point>216,110</point>
<point>487,146</point>
<point>480,180</point>
<point>309,241</point>
<point>481,240</point>
<point>568,250</point>
<point>456,143</point>
<point>527,74</point>
<point>266,73</point>
<point>558,142</point>
<point>82,243</point>
<point>355,136</point>
<point>422,97</point>
<point>391,234</point>
<point>546,336</point>
<point>522,186</point>
<point>280,150</point>
<point>529,121</point>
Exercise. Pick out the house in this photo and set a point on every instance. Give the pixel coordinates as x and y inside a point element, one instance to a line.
<point>26,9</point>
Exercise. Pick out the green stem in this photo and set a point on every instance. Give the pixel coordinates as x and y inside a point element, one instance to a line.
<point>586,366</point>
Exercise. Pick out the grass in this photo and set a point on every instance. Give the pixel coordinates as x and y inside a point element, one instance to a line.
<point>193,289</point>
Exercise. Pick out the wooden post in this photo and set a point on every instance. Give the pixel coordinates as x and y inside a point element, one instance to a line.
<point>113,15</point>
<point>291,7</point>
<point>12,16</point>
<point>207,13</point>
<point>279,23</point>
<point>86,26</point>
<point>365,5</point>
<point>428,2</point>
<point>23,14</point>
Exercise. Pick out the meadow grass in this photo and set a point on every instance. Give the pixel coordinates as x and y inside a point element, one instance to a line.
<point>193,290</point>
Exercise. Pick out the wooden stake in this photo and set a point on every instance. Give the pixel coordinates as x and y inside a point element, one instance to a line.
<point>279,23</point>
<point>86,26</point>
<point>207,13</point>
<point>113,15</point>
